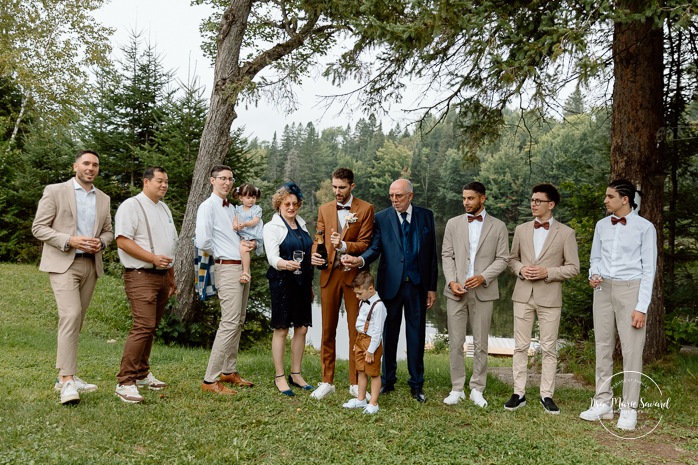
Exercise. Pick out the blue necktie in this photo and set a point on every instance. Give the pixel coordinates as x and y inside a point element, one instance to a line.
<point>405,224</point>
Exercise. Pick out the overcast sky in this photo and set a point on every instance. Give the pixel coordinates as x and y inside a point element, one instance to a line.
<point>173,27</point>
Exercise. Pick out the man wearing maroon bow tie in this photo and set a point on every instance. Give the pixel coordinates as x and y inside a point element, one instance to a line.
<point>622,266</point>
<point>347,225</point>
<point>543,254</point>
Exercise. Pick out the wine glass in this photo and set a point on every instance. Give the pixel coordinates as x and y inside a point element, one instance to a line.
<point>298,257</point>
<point>346,267</point>
<point>598,287</point>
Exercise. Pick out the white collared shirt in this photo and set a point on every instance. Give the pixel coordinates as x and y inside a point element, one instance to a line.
<point>214,229</point>
<point>409,215</point>
<point>86,209</point>
<point>627,253</point>
<point>342,219</point>
<point>474,232</point>
<point>375,326</point>
<point>539,237</point>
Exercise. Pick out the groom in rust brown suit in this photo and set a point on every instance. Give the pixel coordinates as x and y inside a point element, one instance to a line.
<point>347,224</point>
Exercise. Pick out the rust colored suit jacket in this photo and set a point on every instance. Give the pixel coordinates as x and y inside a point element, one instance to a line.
<point>357,236</point>
<point>56,220</point>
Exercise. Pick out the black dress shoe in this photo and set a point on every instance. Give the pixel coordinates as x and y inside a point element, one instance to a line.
<point>386,388</point>
<point>418,395</point>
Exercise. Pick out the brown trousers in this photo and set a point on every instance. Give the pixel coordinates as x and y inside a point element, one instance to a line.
<point>331,299</point>
<point>148,293</point>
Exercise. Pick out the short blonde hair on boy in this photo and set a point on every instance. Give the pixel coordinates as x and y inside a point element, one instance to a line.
<point>363,280</point>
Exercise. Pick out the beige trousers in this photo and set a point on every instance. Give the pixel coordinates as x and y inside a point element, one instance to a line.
<point>549,323</point>
<point>613,308</point>
<point>233,297</point>
<point>73,291</point>
<point>479,313</point>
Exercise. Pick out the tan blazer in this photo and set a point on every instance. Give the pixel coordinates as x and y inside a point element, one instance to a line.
<point>357,236</point>
<point>56,221</point>
<point>490,260</point>
<point>559,255</point>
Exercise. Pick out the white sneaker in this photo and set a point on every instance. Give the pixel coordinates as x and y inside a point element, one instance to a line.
<point>69,393</point>
<point>80,385</point>
<point>476,397</point>
<point>597,412</point>
<point>355,403</point>
<point>627,419</point>
<point>128,394</point>
<point>151,382</point>
<point>354,391</point>
<point>454,397</point>
<point>323,390</point>
<point>371,409</point>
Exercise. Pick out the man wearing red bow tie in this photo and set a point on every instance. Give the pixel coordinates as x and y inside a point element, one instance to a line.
<point>622,266</point>
<point>543,254</point>
<point>475,252</point>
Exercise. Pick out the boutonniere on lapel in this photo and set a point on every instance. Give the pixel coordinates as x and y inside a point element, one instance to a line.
<point>351,218</point>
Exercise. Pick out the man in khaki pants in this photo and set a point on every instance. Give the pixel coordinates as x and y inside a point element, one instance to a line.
<point>475,252</point>
<point>74,223</point>
<point>543,254</point>
<point>622,266</point>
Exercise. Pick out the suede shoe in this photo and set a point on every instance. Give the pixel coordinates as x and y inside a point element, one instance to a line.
<point>217,388</point>
<point>515,402</point>
<point>128,393</point>
<point>151,382</point>
<point>236,379</point>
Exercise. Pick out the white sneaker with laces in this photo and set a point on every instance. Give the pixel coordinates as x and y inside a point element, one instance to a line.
<point>627,419</point>
<point>597,412</point>
<point>355,403</point>
<point>454,397</point>
<point>80,385</point>
<point>354,391</point>
<point>69,393</point>
<point>476,397</point>
<point>151,382</point>
<point>371,409</point>
<point>323,390</point>
<point>128,393</point>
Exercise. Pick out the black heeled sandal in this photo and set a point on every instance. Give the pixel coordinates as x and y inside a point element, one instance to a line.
<point>307,387</point>
<point>287,392</point>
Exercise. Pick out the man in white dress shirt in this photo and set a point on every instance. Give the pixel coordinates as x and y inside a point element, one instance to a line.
<point>215,235</point>
<point>147,239</point>
<point>622,266</point>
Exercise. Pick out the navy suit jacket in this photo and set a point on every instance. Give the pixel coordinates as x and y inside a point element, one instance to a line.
<point>387,244</point>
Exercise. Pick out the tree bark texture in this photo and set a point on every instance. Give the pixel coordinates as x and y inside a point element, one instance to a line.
<point>215,143</point>
<point>637,140</point>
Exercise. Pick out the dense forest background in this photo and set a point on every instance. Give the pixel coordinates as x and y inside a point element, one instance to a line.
<point>136,115</point>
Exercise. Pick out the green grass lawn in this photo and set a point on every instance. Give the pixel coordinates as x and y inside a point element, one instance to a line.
<point>183,425</point>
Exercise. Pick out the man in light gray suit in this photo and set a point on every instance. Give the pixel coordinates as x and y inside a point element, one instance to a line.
<point>74,223</point>
<point>475,252</point>
<point>543,254</point>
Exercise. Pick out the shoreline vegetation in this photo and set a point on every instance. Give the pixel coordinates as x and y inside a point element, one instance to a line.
<point>183,425</point>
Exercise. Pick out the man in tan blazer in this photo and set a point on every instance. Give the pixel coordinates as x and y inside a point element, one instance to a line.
<point>73,221</point>
<point>475,252</point>
<point>347,224</point>
<point>543,254</point>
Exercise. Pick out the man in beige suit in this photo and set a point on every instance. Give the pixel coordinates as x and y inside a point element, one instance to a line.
<point>73,221</point>
<point>543,254</point>
<point>475,252</point>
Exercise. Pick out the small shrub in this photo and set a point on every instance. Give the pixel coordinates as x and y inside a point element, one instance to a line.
<point>681,331</point>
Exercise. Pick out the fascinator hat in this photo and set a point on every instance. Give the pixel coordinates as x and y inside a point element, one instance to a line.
<point>293,188</point>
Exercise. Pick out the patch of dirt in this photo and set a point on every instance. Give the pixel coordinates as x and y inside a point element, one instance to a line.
<point>562,380</point>
<point>654,449</point>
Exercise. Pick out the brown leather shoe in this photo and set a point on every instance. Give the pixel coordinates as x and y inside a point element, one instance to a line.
<point>217,388</point>
<point>235,379</point>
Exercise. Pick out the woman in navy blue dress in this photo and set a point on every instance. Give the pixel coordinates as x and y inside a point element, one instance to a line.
<point>291,292</point>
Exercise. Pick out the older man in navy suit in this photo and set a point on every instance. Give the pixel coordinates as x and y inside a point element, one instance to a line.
<point>404,237</point>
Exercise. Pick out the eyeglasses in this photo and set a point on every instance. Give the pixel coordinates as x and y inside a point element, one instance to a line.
<point>224,178</point>
<point>396,196</point>
<point>538,201</point>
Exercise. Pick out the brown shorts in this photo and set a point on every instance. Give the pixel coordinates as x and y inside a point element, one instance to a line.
<point>360,347</point>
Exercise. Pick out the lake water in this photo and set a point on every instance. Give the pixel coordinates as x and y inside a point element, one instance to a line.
<point>502,319</point>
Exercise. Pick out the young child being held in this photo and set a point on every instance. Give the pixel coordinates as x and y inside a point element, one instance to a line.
<point>248,223</point>
<point>368,347</point>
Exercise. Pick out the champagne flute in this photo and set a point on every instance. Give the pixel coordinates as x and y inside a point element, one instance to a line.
<point>598,287</point>
<point>298,257</point>
<point>346,267</point>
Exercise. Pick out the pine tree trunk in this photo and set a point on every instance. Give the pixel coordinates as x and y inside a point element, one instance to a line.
<point>215,143</point>
<point>637,140</point>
